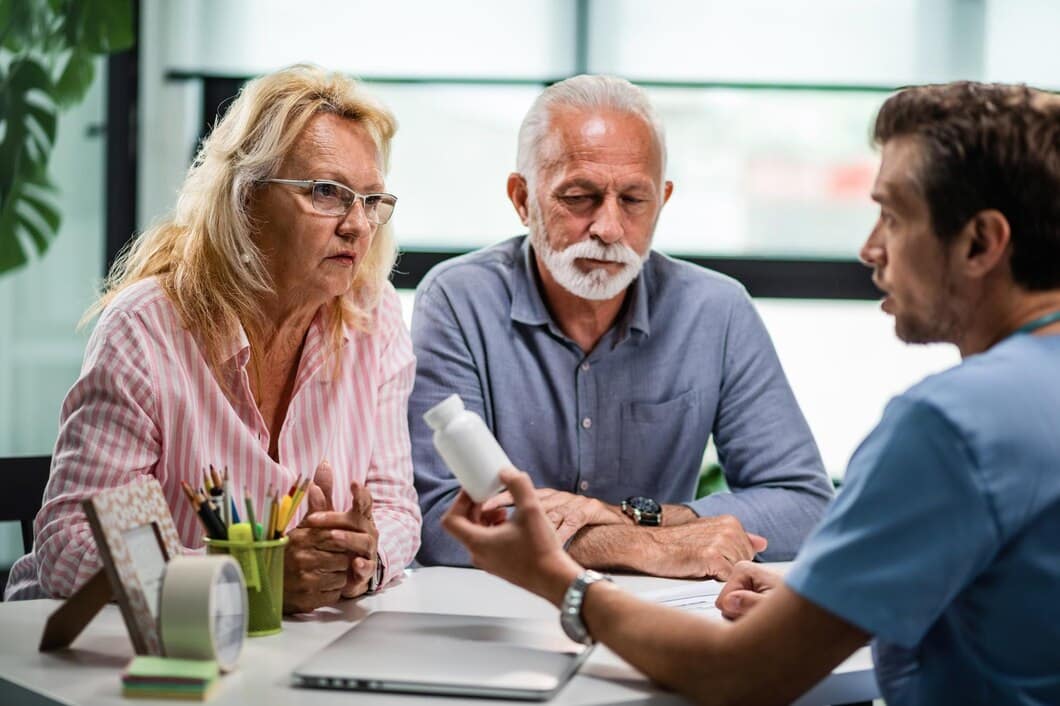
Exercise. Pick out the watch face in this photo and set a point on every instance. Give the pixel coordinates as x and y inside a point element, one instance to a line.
<point>644,511</point>
<point>645,505</point>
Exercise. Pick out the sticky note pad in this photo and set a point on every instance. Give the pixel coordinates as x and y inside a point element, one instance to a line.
<point>171,668</point>
<point>136,691</point>
<point>169,678</point>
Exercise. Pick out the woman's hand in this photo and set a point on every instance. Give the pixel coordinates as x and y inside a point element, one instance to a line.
<point>315,565</point>
<point>331,554</point>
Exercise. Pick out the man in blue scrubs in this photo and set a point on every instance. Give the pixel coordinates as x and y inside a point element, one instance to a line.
<point>945,542</point>
<point>603,367</point>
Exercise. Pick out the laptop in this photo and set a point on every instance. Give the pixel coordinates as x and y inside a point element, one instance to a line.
<point>462,655</point>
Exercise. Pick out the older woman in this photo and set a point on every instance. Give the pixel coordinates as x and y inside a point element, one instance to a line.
<point>255,329</point>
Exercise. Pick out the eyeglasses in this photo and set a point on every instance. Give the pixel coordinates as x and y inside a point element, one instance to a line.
<point>334,199</point>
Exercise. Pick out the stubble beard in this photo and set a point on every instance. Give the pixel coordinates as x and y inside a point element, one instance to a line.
<point>938,323</point>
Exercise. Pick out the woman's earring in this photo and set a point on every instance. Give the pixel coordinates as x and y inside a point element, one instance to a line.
<point>245,258</point>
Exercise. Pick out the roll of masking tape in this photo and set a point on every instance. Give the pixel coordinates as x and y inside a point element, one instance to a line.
<point>202,612</point>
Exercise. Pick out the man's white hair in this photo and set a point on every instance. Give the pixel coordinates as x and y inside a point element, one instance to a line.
<point>582,92</point>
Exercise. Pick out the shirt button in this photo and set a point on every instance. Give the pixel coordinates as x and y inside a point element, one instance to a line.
<point>585,367</point>
<point>586,423</point>
<point>584,485</point>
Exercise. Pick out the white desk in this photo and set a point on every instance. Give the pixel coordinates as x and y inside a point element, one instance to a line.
<point>88,673</point>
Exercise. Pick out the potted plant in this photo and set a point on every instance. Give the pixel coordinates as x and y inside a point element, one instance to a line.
<point>47,53</point>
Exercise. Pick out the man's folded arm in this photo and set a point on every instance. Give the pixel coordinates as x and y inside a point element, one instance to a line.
<point>774,470</point>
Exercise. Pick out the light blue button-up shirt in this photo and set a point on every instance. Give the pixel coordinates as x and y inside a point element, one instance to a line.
<point>687,357</point>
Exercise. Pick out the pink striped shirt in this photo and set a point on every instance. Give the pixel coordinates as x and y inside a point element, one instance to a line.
<point>147,403</point>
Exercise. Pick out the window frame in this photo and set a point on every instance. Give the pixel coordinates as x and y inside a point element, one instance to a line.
<point>774,277</point>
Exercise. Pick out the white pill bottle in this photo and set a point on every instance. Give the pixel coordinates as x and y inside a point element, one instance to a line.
<point>466,445</point>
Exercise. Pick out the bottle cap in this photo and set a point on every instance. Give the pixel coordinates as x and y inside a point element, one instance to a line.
<point>442,413</point>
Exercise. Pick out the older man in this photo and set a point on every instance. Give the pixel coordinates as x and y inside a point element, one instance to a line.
<point>945,543</point>
<point>603,367</point>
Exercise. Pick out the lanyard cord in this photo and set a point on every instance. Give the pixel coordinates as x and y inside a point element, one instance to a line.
<point>1040,322</point>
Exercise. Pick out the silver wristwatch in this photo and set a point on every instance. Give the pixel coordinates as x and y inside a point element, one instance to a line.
<point>377,578</point>
<point>570,613</point>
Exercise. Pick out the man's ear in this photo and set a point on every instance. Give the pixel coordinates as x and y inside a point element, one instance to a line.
<point>519,195</point>
<point>986,237</point>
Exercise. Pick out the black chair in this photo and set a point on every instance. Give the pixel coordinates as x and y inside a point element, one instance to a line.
<point>23,479</point>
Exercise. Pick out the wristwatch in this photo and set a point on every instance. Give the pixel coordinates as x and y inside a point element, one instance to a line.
<point>377,577</point>
<point>570,612</point>
<point>644,511</point>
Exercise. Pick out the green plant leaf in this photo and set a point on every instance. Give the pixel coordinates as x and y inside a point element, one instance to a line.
<point>12,254</point>
<point>21,24</point>
<point>75,79</point>
<point>40,128</point>
<point>38,33</point>
<point>29,220</point>
<point>38,236</point>
<point>28,120</point>
<point>108,25</point>
<point>27,74</point>
<point>47,211</point>
<point>72,25</point>
<point>28,215</point>
<point>711,480</point>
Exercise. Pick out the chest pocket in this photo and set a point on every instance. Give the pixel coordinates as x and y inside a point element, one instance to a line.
<point>660,438</point>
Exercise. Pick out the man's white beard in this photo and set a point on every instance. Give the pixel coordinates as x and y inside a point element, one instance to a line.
<point>597,284</point>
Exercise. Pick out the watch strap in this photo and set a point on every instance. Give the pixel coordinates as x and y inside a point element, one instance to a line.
<point>376,581</point>
<point>570,612</point>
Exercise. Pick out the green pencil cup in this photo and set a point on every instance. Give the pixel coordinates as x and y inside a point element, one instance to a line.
<point>262,564</point>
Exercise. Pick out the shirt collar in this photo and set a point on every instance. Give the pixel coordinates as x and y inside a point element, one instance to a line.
<point>528,307</point>
<point>639,317</point>
<point>238,351</point>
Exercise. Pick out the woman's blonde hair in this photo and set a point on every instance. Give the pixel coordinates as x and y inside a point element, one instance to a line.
<point>203,254</point>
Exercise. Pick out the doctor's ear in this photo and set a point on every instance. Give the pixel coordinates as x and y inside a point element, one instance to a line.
<point>988,237</point>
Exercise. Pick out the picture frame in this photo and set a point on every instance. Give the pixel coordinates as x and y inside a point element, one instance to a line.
<point>135,535</point>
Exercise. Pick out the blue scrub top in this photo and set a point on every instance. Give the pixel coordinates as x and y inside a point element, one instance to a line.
<point>945,541</point>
